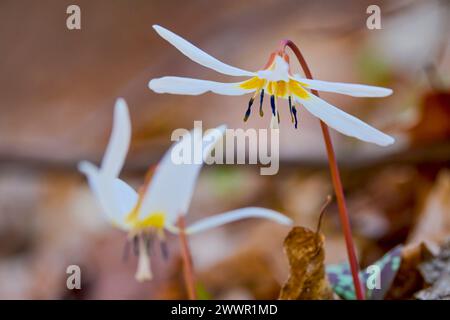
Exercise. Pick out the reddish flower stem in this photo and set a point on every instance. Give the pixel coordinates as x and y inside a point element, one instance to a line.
<point>188,269</point>
<point>336,179</point>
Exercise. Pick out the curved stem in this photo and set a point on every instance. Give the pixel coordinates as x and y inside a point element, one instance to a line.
<point>336,179</point>
<point>187,260</point>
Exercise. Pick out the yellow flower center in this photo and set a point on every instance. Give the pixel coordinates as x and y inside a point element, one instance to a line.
<point>276,89</point>
<point>280,89</point>
<point>155,219</point>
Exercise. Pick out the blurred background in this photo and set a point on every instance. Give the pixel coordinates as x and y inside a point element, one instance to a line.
<point>57,91</point>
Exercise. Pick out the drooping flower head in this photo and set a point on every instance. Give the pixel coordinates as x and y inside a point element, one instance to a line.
<point>160,201</point>
<point>278,81</point>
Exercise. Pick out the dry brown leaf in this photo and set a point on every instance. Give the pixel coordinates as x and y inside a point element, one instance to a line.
<point>440,290</point>
<point>433,125</point>
<point>408,279</point>
<point>433,224</point>
<point>436,273</point>
<point>307,280</point>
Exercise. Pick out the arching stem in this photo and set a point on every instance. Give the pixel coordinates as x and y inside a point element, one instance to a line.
<point>187,260</point>
<point>336,179</point>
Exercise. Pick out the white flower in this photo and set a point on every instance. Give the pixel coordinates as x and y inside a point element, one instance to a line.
<point>161,201</point>
<point>277,80</point>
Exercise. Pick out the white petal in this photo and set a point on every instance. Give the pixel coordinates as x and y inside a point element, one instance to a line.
<point>92,173</point>
<point>278,72</point>
<point>126,197</point>
<point>172,186</point>
<point>199,56</point>
<point>354,90</point>
<point>235,215</point>
<point>115,197</point>
<point>344,122</point>
<point>119,141</point>
<point>189,86</point>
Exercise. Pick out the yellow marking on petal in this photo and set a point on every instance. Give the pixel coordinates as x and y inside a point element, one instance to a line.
<point>156,220</point>
<point>303,84</point>
<point>132,217</point>
<point>253,83</point>
<point>281,89</point>
<point>296,88</point>
<point>277,88</point>
<point>269,88</point>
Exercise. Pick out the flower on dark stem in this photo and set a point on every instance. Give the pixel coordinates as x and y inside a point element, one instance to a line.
<point>277,80</point>
<point>160,202</point>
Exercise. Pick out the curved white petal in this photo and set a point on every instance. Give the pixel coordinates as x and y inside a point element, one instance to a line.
<point>236,215</point>
<point>119,141</point>
<point>189,86</point>
<point>344,122</point>
<point>278,72</point>
<point>115,198</point>
<point>199,56</point>
<point>172,186</point>
<point>126,197</point>
<point>354,90</point>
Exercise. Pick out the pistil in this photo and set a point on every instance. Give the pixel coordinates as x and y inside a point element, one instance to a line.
<point>143,271</point>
